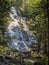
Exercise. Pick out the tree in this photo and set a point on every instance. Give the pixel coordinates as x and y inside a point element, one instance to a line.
<point>4,9</point>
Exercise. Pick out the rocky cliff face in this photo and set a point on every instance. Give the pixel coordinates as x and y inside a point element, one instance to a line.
<point>18,32</point>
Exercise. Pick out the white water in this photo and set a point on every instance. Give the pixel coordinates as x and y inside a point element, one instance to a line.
<point>18,32</point>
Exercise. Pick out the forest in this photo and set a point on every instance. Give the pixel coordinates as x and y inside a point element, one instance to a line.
<point>33,15</point>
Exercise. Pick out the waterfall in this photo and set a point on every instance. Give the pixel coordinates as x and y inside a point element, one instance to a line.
<point>18,32</point>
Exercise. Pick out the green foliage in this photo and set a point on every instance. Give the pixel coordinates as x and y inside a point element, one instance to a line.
<point>44,60</point>
<point>37,11</point>
<point>4,9</point>
<point>19,3</point>
<point>28,63</point>
<point>3,50</point>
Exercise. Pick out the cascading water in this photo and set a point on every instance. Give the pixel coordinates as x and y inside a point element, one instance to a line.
<point>18,32</point>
